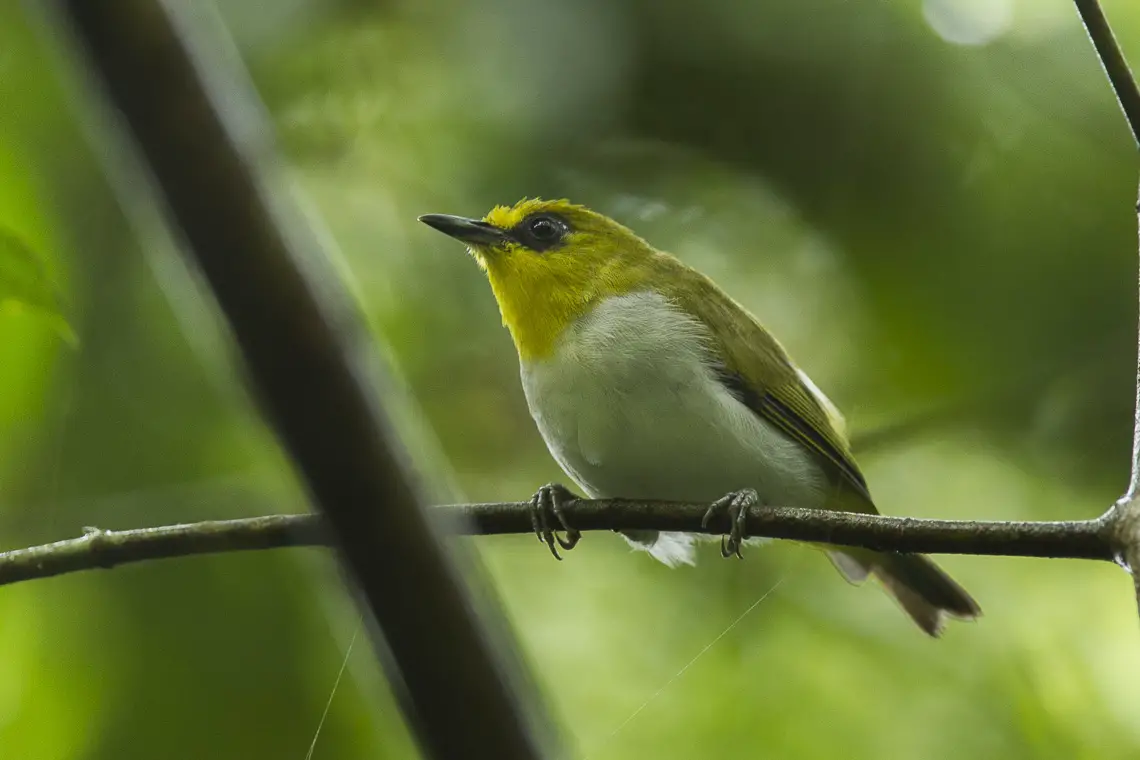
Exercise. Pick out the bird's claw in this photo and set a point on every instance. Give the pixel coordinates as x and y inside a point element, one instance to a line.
<point>546,502</point>
<point>736,505</point>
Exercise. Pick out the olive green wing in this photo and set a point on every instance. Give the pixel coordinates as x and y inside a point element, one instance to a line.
<point>757,370</point>
<point>794,410</point>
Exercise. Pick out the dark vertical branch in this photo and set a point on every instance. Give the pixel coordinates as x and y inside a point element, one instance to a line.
<point>1134,480</point>
<point>1125,515</point>
<point>182,97</point>
<point>1126,529</point>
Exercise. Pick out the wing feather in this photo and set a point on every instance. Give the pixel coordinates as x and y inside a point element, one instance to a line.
<point>758,371</point>
<point>794,422</point>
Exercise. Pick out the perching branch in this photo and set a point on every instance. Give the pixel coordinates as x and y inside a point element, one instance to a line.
<point>1082,539</point>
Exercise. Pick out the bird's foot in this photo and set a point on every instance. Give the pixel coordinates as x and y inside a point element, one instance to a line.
<point>546,502</point>
<point>736,505</point>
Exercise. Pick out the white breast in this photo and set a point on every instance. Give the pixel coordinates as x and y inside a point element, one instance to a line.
<point>629,406</point>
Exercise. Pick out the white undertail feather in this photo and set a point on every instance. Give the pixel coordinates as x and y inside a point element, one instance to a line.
<point>670,549</point>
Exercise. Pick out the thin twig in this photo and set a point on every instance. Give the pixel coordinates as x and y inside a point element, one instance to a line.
<point>1123,520</point>
<point>1124,517</point>
<point>1081,539</point>
<point>1113,62</point>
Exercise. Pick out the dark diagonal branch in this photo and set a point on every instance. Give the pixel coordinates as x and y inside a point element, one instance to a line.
<point>1113,62</point>
<point>1084,539</point>
<point>183,100</point>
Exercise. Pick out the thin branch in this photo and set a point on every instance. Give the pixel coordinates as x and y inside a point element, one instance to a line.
<point>1123,520</point>
<point>1124,517</point>
<point>184,100</point>
<point>1082,539</point>
<point>1113,62</point>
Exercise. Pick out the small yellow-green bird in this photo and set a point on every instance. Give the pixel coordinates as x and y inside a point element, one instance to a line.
<point>647,381</point>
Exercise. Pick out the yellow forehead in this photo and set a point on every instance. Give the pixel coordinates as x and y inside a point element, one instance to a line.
<point>505,217</point>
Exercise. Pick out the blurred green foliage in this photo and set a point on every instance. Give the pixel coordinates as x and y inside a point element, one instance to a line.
<point>24,285</point>
<point>930,203</point>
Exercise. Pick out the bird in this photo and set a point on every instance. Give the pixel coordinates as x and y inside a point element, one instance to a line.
<point>647,381</point>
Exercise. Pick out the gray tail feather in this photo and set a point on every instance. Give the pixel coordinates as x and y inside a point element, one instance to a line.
<point>923,590</point>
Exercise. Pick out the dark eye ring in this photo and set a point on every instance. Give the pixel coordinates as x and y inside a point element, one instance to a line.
<point>544,229</point>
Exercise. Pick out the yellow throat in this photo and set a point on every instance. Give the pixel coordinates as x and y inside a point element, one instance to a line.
<point>542,289</point>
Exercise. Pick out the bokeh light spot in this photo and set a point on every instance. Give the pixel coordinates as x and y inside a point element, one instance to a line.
<point>969,22</point>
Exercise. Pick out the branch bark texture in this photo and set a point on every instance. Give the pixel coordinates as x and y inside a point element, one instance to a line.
<point>1083,539</point>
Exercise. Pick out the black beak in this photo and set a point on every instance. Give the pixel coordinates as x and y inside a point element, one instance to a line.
<point>471,231</point>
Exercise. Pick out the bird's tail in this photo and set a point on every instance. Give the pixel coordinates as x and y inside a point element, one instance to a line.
<point>921,588</point>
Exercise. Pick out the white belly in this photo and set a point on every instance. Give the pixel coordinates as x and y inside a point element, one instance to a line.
<point>630,408</point>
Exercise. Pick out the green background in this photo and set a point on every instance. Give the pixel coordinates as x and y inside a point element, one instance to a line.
<point>930,203</point>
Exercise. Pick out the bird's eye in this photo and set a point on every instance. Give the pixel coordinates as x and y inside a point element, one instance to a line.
<point>541,232</point>
<point>545,230</point>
